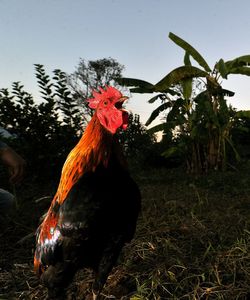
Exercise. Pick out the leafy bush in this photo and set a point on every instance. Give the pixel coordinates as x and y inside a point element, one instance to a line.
<point>44,133</point>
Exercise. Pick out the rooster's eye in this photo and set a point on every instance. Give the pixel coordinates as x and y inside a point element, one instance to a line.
<point>105,103</point>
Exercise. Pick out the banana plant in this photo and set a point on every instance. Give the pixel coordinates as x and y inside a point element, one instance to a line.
<point>203,118</point>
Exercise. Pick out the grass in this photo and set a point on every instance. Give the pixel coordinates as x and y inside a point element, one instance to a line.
<point>193,239</point>
<point>192,242</point>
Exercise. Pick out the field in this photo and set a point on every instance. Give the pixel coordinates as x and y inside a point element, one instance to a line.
<point>192,241</point>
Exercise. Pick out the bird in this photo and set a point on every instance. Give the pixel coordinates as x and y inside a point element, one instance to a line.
<point>95,209</point>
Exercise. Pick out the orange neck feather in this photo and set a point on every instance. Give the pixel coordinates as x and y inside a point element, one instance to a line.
<point>93,149</point>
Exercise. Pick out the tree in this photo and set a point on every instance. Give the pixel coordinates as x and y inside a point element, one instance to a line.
<point>202,120</point>
<point>72,115</point>
<point>90,75</point>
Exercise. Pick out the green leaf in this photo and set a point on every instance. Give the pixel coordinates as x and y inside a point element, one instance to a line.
<point>169,91</point>
<point>187,88</point>
<point>135,83</point>
<point>161,96</point>
<point>157,111</point>
<point>178,75</point>
<point>187,61</point>
<point>240,61</point>
<point>175,112</point>
<point>240,70</point>
<point>162,127</point>
<point>222,68</point>
<point>157,128</point>
<point>193,52</point>
<point>243,114</point>
<point>225,92</point>
<point>139,90</point>
<point>170,152</point>
<point>188,83</point>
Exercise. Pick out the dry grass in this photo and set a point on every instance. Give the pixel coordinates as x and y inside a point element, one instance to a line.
<point>192,242</point>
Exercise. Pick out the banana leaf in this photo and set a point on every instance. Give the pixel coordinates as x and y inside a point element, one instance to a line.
<point>240,61</point>
<point>188,83</point>
<point>222,68</point>
<point>157,128</point>
<point>171,151</point>
<point>161,96</point>
<point>162,127</point>
<point>193,52</point>
<point>157,111</point>
<point>187,61</point>
<point>240,70</point>
<point>139,90</point>
<point>178,75</point>
<point>133,82</point>
<point>187,88</point>
<point>243,114</point>
<point>164,96</point>
<point>225,92</point>
<point>175,112</point>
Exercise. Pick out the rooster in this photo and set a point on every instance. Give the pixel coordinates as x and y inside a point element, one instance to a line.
<point>96,206</point>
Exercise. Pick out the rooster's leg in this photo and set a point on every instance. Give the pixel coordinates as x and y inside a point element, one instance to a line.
<point>56,278</point>
<point>109,258</point>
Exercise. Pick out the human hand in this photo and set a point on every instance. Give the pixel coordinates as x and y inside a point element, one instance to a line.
<point>15,164</point>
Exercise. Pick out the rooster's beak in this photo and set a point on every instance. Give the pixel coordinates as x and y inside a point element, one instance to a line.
<point>120,102</point>
<point>123,98</point>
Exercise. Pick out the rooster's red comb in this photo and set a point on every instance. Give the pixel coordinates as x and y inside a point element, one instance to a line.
<point>109,92</point>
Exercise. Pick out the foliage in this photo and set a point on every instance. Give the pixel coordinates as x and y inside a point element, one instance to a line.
<point>196,109</point>
<point>46,131</point>
<point>137,143</point>
<point>90,75</point>
<point>240,134</point>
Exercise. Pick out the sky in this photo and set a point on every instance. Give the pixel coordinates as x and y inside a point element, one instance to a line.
<point>57,33</point>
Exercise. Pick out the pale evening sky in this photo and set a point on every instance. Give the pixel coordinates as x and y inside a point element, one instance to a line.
<point>57,33</point>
